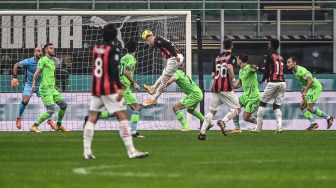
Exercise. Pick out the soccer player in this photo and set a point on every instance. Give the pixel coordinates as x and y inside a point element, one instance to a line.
<point>49,93</point>
<point>106,94</point>
<point>249,100</point>
<point>194,96</point>
<point>30,65</point>
<point>275,88</point>
<point>128,64</point>
<point>311,90</point>
<point>222,93</point>
<point>127,68</point>
<point>174,59</point>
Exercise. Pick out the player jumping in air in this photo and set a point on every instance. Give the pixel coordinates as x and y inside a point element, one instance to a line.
<point>174,59</point>
<point>30,65</point>
<point>49,93</point>
<point>311,90</point>
<point>222,93</point>
<point>194,96</point>
<point>106,94</point>
<point>275,88</point>
<point>250,99</point>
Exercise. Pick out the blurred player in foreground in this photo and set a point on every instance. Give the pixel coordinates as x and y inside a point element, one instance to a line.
<point>106,94</point>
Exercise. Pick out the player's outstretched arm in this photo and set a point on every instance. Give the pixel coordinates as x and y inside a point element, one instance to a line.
<point>15,81</point>
<point>36,74</point>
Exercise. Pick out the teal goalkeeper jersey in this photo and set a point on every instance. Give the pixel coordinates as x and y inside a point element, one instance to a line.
<point>302,73</point>
<point>47,67</point>
<point>249,80</point>
<point>186,84</point>
<point>127,61</point>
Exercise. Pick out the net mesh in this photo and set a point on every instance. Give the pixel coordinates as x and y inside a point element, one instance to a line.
<point>74,37</point>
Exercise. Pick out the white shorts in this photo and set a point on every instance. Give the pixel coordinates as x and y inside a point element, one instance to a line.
<point>172,65</point>
<point>229,99</point>
<point>274,92</point>
<point>107,103</point>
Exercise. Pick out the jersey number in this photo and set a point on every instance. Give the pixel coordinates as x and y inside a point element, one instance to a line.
<point>221,71</point>
<point>278,70</point>
<point>98,70</point>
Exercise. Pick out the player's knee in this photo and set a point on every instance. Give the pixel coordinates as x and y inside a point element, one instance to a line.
<point>275,106</point>
<point>191,111</point>
<point>24,102</point>
<point>50,109</point>
<point>63,104</point>
<point>262,104</point>
<point>209,116</point>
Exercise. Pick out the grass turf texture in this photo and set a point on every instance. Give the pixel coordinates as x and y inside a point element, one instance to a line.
<point>177,159</point>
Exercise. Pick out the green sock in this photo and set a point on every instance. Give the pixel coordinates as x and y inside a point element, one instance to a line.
<point>104,115</point>
<point>180,116</point>
<point>320,113</point>
<point>236,122</point>
<point>43,117</point>
<point>199,115</point>
<point>308,115</point>
<point>60,116</point>
<point>134,120</point>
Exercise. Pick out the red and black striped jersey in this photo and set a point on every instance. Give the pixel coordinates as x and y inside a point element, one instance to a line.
<point>274,67</point>
<point>221,78</point>
<point>105,75</point>
<point>166,48</point>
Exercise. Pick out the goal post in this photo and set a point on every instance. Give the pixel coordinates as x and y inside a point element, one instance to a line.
<point>73,34</point>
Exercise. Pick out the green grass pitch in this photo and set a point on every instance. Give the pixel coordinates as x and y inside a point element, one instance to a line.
<point>177,159</point>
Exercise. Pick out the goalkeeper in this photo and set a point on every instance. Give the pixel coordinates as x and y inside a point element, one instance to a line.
<point>29,65</point>
<point>194,96</point>
<point>174,59</point>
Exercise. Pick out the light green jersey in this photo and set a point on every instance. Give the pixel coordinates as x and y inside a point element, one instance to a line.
<point>127,61</point>
<point>186,84</point>
<point>249,80</point>
<point>47,67</point>
<point>302,73</point>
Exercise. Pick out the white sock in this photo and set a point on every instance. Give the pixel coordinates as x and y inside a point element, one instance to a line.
<point>157,83</point>
<point>230,115</point>
<point>125,135</point>
<point>206,122</point>
<point>278,117</point>
<point>260,117</point>
<point>161,88</point>
<point>88,137</point>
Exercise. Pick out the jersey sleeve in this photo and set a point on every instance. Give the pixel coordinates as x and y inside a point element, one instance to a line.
<point>130,64</point>
<point>24,63</point>
<point>41,63</point>
<point>304,73</point>
<point>162,43</point>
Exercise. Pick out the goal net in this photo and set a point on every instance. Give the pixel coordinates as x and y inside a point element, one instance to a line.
<point>74,33</point>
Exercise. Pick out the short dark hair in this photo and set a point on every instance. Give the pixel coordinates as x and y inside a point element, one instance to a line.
<point>46,46</point>
<point>109,32</point>
<point>243,57</point>
<point>131,46</point>
<point>275,44</point>
<point>227,43</point>
<point>293,58</point>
